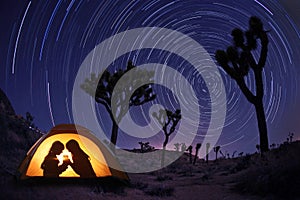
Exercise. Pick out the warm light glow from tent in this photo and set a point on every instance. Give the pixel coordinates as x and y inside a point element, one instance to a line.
<point>90,148</point>
<point>65,155</point>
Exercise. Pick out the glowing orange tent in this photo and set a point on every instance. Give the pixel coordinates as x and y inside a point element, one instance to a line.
<point>97,155</point>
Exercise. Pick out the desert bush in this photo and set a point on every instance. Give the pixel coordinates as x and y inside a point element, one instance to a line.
<point>160,191</point>
<point>242,164</point>
<point>172,168</point>
<point>139,185</point>
<point>198,146</point>
<point>163,178</point>
<point>98,189</point>
<point>186,171</point>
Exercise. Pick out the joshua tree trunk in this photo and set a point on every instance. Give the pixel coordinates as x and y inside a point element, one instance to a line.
<point>197,150</point>
<point>115,128</point>
<point>166,141</point>
<point>190,149</point>
<point>217,149</point>
<point>195,158</point>
<point>164,149</point>
<point>163,156</point>
<point>114,133</point>
<point>262,126</point>
<point>207,151</point>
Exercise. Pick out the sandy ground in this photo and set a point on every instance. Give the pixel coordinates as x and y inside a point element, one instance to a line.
<point>181,180</point>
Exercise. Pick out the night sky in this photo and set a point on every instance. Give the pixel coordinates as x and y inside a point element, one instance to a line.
<point>43,44</point>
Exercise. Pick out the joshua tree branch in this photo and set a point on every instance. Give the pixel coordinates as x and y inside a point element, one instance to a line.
<point>259,84</point>
<point>107,107</point>
<point>248,94</point>
<point>264,49</point>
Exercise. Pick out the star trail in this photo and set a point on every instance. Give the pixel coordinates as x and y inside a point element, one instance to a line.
<point>43,44</point>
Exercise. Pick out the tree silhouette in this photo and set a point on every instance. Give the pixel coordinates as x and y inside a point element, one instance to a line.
<point>273,146</point>
<point>183,147</point>
<point>143,144</point>
<point>177,145</point>
<point>291,135</point>
<point>168,120</point>
<point>241,59</point>
<point>105,86</point>
<point>233,154</point>
<point>216,150</point>
<point>258,148</point>
<point>146,147</point>
<point>198,145</point>
<point>223,155</point>
<point>29,119</point>
<point>207,151</point>
<point>190,149</point>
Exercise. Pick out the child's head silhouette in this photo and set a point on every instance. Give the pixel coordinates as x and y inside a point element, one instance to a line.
<point>57,147</point>
<point>73,146</point>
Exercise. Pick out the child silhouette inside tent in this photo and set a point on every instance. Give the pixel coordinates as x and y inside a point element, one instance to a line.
<point>81,161</point>
<point>50,165</point>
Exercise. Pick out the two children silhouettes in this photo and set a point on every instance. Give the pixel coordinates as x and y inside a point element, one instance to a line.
<point>81,161</point>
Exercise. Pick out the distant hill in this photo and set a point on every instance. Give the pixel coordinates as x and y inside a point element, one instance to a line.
<point>16,137</point>
<point>5,105</point>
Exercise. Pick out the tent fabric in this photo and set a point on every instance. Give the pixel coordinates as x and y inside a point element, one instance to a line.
<point>99,157</point>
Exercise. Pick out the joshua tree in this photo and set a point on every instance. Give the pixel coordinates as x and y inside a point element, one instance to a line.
<point>291,135</point>
<point>198,145</point>
<point>105,86</point>
<point>228,155</point>
<point>190,149</point>
<point>29,119</point>
<point>258,148</point>
<point>207,151</point>
<point>143,145</point>
<point>223,155</point>
<point>216,149</point>
<point>183,147</point>
<point>177,145</point>
<point>148,147</point>
<point>242,60</point>
<point>168,120</point>
<point>273,146</point>
<point>233,154</point>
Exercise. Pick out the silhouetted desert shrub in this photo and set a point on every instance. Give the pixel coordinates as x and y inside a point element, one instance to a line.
<point>172,168</point>
<point>186,171</point>
<point>205,177</point>
<point>242,164</point>
<point>98,189</point>
<point>163,178</point>
<point>160,191</point>
<point>139,185</point>
<point>154,173</point>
